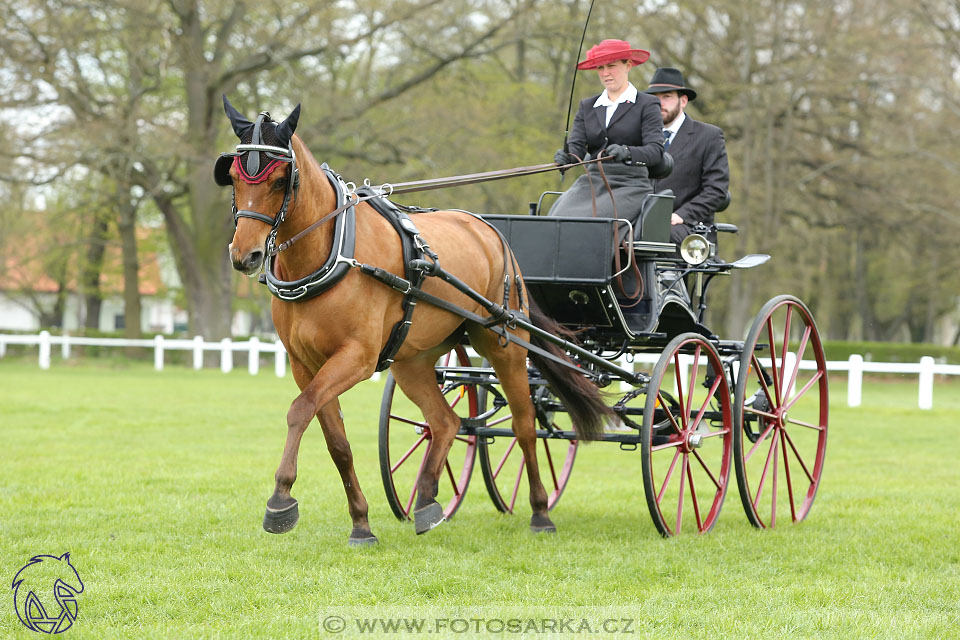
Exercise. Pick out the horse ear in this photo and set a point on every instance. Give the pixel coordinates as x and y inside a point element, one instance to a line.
<point>240,124</point>
<point>286,128</point>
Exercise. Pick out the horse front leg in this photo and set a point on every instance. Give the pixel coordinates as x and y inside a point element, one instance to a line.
<point>331,420</point>
<point>341,372</point>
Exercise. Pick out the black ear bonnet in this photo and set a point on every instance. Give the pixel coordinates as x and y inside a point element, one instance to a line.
<point>264,145</point>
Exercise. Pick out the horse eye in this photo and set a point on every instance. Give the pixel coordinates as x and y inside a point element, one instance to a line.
<point>280,183</point>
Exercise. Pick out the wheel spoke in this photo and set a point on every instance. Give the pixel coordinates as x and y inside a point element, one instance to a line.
<point>766,467</point>
<point>806,387</point>
<point>690,385</point>
<point>413,493</point>
<point>706,403</point>
<point>669,474</point>
<point>463,439</point>
<point>786,436</point>
<point>801,423</point>
<point>785,350</point>
<point>683,473</point>
<point>756,444</point>
<point>796,365</point>
<point>757,412</point>
<point>693,498</point>
<point>415,423</point>
<point>762,380</point>
<point>453,481</point>
<point>500,420</point>
<point>709,473</point>
<point>773,492</point>
<point>403,459</point>
<point>666,410</point>
<point>786,473</point>
<point>513,441</point>
<point>553,471</point>
<point>673,443</point>
<point>516,486</point>
<point>773,361</point>
<point>679,383</point>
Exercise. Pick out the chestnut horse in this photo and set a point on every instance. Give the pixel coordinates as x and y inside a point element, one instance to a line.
<point>334,339</point>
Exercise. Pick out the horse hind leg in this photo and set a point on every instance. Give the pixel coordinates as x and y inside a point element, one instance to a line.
<point>417,380</point>
<point>510,365</point>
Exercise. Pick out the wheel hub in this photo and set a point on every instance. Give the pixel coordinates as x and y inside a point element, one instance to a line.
<point>694,440</point>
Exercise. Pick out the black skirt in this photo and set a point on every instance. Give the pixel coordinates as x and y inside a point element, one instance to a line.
<point>629,185</point>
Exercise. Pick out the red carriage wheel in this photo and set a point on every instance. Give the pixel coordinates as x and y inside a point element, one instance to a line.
<point>686,437</point>
<point>405,439</point>
<point>780,414</point>
<point>503,464</point>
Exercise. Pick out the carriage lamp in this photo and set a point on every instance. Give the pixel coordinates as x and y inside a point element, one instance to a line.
<point>695,249</point>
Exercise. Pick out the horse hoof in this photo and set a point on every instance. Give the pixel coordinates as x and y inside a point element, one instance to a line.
<point>281,520</point>
<point>542,524</point>
<point>428,517</point>
<point>362,538</point>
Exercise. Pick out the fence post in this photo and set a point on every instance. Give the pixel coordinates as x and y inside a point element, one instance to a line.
<point>44,357</point>
<point>158,352</point>
<point>855,380</point>
<point>926,382</point>
<point>280,362</point>
<point>253,360</point>
<point>65,346</point>
<point>197,352</point>
<point>226,356</point>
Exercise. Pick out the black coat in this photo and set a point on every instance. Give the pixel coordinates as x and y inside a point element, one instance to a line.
<point>637,125</point>
<point>700,176</point>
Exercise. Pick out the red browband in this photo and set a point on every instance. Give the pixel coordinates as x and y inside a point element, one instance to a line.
<point>261,176</point>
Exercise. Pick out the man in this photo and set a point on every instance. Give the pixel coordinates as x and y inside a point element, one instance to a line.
<point>700,176</point>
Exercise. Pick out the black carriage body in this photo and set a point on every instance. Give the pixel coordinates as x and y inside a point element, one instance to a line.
<point>569,266</point>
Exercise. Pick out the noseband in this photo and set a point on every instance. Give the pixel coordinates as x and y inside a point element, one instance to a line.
<point>251,172</point>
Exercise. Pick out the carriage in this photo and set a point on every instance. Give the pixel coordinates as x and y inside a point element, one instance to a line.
<point>707,408</point>
<point>585,303</point>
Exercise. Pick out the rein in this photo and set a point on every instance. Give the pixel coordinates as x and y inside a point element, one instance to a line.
<point>388,189</point>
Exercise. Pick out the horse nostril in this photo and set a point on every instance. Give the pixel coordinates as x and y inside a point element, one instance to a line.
<point>253,260</point>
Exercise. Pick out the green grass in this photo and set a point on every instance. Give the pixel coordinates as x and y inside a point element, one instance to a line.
<point>156,483</point>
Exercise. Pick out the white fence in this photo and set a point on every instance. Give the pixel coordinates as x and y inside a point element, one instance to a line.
<point>855,366</point>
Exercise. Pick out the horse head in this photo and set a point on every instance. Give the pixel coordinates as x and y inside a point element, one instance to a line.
<point>264,175</point>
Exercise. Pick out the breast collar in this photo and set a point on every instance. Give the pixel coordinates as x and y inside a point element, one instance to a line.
<point>338,263</point>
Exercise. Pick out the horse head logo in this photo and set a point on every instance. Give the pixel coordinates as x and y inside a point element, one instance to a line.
<point>45,593</point>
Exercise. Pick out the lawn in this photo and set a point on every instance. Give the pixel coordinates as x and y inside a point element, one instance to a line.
<point>155,482</point>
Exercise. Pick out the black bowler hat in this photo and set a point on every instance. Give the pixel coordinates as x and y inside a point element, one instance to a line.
<point>669,79</point>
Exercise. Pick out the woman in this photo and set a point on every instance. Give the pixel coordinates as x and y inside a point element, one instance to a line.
<point>620,122</point>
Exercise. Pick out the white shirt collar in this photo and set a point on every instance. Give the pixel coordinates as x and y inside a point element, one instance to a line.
<point>629,95</point>
<point>676,124</point>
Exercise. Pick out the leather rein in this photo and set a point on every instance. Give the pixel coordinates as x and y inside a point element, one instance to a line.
<point>387,189</point>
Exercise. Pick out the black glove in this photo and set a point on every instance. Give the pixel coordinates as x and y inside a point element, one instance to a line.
<point>562,157</point>
<point>619,153</point>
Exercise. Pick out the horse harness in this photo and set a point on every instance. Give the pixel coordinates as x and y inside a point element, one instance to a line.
<point>419,260</point>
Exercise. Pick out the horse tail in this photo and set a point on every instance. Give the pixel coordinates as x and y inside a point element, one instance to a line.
<point>582,399</point>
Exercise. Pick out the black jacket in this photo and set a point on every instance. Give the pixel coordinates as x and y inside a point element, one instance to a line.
<point>637,125</point>
<point>700,176</point>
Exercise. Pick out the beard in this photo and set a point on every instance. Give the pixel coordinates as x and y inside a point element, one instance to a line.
<point>670,115</point>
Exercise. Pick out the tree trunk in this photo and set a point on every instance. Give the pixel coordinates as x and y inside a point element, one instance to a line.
<point>127,227</point>
<point>93,266</point>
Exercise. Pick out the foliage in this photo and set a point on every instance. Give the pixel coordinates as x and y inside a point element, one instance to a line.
<point>157,490</point>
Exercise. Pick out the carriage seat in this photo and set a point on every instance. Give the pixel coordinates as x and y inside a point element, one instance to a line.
<point>653,223</point>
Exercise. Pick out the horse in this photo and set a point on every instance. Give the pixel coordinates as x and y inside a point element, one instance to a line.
<point>287,221</point>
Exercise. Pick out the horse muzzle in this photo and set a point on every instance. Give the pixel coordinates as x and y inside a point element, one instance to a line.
<point>248,263</point>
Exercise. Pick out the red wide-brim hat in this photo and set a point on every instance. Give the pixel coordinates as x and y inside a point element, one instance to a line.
<point>610,51</point>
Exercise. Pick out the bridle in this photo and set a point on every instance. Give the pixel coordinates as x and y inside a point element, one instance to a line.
<point>252,173</point>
